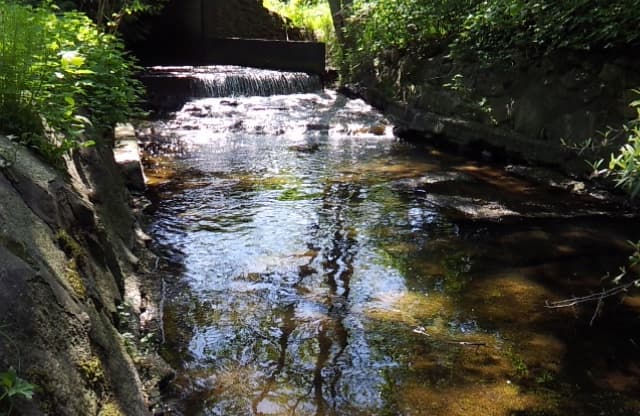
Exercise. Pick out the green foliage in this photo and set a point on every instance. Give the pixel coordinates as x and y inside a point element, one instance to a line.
<point>108,14</point>
<point>59,75</point>
<point>376,27</point>
<point>113,13</point>
<point>490,29</point>
<point>625,166</point>
<point>313,17</point>
<point>12,387</point>
<point>405,23</point>
<point>542,26</point>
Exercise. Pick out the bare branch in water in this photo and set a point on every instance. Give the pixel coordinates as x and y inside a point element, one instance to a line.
<point>565,303</point>
<point>594,297</point>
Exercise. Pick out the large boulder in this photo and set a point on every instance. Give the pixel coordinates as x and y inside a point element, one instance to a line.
<point>66,255</point>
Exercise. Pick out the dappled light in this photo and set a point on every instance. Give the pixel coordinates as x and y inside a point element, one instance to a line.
<point>320,266</point>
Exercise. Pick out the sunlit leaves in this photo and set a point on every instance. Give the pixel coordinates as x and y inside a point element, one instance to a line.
<point>490,29</point>
<point>62,72</point>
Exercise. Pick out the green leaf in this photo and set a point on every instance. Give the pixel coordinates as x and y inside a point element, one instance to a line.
<point>23,388</point>
<point>8,379</point>
<point>15,386</point>
<point>72,58</point>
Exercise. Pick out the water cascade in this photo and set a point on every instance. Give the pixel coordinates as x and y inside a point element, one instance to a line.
<point>168,84</point>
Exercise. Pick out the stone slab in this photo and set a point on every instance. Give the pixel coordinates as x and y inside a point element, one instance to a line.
<point>127,156</point>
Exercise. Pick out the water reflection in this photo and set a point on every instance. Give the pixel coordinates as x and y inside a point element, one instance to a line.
<point>319,267</point>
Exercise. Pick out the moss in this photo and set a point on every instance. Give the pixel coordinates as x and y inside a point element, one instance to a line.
<point>75,253</point>
<point>74,279</point>
<point>110,408</point>
<point>92,371</point>
<point>69,245</point>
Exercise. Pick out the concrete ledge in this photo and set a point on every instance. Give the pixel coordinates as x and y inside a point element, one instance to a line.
<point>127,156</point>
<point>258,53</point>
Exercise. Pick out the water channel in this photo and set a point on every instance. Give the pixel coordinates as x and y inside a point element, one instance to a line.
<point>314,264</point>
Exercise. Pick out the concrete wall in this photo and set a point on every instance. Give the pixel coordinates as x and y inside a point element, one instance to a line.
<point>271,54</point>
<point>197,32</point>
<point>524,107</point>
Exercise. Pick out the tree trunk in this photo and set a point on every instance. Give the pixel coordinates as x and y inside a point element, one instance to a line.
<point>338,10</point>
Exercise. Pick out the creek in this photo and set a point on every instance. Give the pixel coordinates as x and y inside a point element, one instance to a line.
<point>314,264</point>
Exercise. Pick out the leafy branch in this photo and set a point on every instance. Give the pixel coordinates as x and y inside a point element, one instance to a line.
<point>59,76</point>
<point>11,385</point>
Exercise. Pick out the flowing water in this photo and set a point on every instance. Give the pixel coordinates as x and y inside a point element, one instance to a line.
<point>316,265</point>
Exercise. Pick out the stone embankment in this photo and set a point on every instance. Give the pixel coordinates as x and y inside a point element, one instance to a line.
<point>76,300</point>
<point>558,110</point>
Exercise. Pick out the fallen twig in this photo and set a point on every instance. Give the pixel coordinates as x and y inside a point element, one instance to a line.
<point>565,303</point>
<point>599,297</point>
<point>420,330</point>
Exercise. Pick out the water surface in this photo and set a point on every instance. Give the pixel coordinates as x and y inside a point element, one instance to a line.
<point>316,265</point>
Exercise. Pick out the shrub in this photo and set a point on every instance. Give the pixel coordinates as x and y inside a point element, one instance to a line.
<point>492,29</point>
<point>542,26</point>
<point>312,17</point>
<point>59,75</point>
<point>625,166</point>
<point>404,25</point>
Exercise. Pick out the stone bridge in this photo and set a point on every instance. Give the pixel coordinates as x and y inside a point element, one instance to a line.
<point>223,32</point>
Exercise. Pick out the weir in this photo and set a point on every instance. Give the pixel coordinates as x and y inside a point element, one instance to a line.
<point>168,87</point>
<point>306,57</point>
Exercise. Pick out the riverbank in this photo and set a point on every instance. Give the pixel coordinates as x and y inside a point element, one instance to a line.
<point>561,110</point>
<point>79,305</point>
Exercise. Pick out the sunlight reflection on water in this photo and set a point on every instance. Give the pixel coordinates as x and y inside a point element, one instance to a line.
<point>311,244</point>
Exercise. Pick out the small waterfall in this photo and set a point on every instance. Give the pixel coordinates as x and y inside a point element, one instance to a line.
<point>230,81</point>
<point>168,88</point>
<point>235,81</point>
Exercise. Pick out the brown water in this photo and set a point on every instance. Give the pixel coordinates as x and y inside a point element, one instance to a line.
<point>315,265</point>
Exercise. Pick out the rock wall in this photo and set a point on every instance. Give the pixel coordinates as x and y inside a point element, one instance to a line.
<point>69,282</point>
<point>526,108</point>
